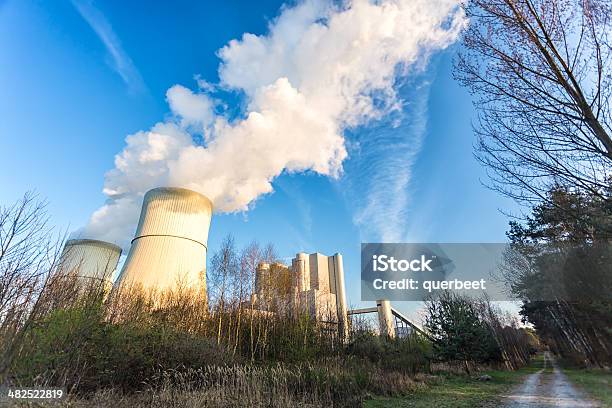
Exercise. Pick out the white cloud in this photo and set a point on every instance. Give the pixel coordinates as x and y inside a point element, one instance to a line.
<point>194,109</point>
<point>321,68</point>
<point>120,60</point>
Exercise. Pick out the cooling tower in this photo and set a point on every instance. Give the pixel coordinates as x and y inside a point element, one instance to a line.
<point>89,258</point>
<point>170,245</point>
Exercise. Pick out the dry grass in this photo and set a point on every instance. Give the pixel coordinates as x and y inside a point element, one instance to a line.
<point>334,384</point>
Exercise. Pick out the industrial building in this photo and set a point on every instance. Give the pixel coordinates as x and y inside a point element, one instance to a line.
<point>313,284</point>
<point>89,259</point>
<point>171,242</point>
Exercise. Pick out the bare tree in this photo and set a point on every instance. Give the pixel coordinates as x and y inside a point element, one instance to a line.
<point>540,73</point>
<point>250,257</point>
<point>28,255</point>
<point>224,267</point>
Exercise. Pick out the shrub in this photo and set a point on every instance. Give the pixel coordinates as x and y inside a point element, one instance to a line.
<point>410,354</point>
<point>77,349</point>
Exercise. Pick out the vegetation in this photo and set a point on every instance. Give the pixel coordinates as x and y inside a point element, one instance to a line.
<point>80,349</point>
<point>473,332</point>
<point>453,392</point>
<point>460,391</point>
<point>458,331</point>
<point>143,348</point>
<point>540,73</point>
<point>596,382</point>
<point>559,266</point>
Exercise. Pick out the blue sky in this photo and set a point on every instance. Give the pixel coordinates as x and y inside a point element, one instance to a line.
<point>72,92</point>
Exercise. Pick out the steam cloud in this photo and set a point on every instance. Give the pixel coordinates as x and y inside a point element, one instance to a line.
<point>321,68</point>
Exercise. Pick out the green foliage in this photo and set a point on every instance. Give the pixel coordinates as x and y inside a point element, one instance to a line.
<point>58,346</point>
<point>76,348</point>
<point>80,349</point>
<point>133,353</point>
<point>453,392</point>
<point>411,354</point>
<point>562,273</point>
<point>458,331</point>
<point>366,344</point>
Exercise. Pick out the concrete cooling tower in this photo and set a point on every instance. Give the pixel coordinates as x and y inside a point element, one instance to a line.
<point>89,258</point>
<point>169,249</point>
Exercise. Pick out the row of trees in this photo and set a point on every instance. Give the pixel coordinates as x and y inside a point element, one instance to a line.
<point>560,267</point>
<point>540,73</point>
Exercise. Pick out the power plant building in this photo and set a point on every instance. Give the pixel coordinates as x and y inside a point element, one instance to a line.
<point>171,241</point>
<point>89,259</point>
<point>169,251</point>
<point>313,284</point>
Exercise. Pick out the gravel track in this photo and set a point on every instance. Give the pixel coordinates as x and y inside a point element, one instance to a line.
<point>546,390</point>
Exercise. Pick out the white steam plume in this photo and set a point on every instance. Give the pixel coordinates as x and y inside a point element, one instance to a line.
<point>321,68</point>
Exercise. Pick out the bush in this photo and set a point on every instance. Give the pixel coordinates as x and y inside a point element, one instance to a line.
<point>410,354</point>
<point>77,349</point>
<point>58,349</point>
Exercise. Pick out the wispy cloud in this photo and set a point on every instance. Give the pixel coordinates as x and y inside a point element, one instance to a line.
<point>378,175</point>
<point>119,61</point>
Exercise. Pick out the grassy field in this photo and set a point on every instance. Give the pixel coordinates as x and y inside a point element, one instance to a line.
<point>596,383</point>
<point>463,391</point>
<point>460,391</point>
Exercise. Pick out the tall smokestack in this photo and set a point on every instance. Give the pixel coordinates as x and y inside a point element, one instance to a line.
<point>89,259</point>
<point>169,249</point>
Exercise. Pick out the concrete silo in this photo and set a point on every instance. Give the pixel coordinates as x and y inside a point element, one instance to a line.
<point>89,259</point>
<point>170,245</point>
<point>262,277</point>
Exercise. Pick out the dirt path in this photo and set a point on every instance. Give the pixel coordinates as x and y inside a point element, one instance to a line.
<point>546,390</point>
